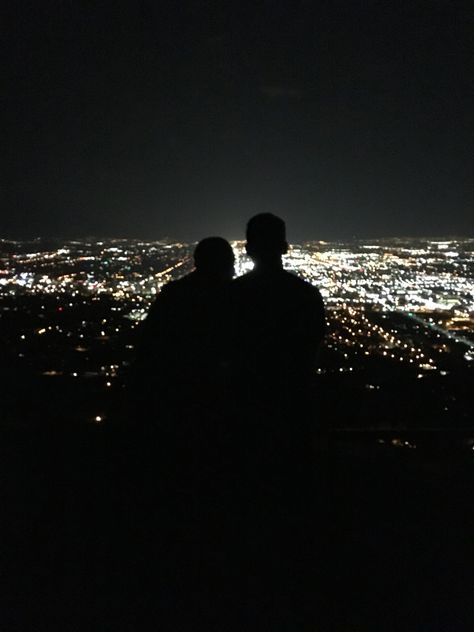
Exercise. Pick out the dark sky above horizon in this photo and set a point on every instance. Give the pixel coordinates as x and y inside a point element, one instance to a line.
<point>147,119</point>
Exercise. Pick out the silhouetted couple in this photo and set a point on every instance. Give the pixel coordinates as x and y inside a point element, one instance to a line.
<point>224,373</point>
<point>210,342</point>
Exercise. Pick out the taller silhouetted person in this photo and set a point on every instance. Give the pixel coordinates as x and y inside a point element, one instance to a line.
<point>181,351</point>
<point>279,322</point>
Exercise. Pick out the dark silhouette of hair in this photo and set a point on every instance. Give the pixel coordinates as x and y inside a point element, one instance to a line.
<point>214,257</point>
<point>266,237</point>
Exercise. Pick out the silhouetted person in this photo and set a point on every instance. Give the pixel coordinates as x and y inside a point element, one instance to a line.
<point>181,354</point>
<point>280,319</point>
<point>279,323</point>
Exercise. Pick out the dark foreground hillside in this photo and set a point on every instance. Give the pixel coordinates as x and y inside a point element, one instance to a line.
<point>113,529</point>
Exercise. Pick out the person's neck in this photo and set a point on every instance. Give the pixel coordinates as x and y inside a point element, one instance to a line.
<point>268,265</point>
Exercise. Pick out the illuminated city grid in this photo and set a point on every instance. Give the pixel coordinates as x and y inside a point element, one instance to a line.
<point>408,275</point>
<point>408,302</point>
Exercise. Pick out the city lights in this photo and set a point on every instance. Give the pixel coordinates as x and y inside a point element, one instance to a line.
<point>393,303</point>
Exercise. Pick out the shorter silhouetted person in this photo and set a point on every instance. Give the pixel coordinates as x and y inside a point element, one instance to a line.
<point>181,352</point>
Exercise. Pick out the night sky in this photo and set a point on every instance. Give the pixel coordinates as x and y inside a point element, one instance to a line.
<point>142,119</point>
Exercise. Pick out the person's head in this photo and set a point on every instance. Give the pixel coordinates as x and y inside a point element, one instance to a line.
<point>214,258</point>
<point>266,238</point>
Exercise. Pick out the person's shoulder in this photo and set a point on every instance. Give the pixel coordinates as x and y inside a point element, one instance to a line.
<point>243,281</point>
<point>306,289</point>
<point>280,278</point>
<point>292,278</point>
<point>249,283</point>
<point>178,285</point>
<point>169,294</point>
